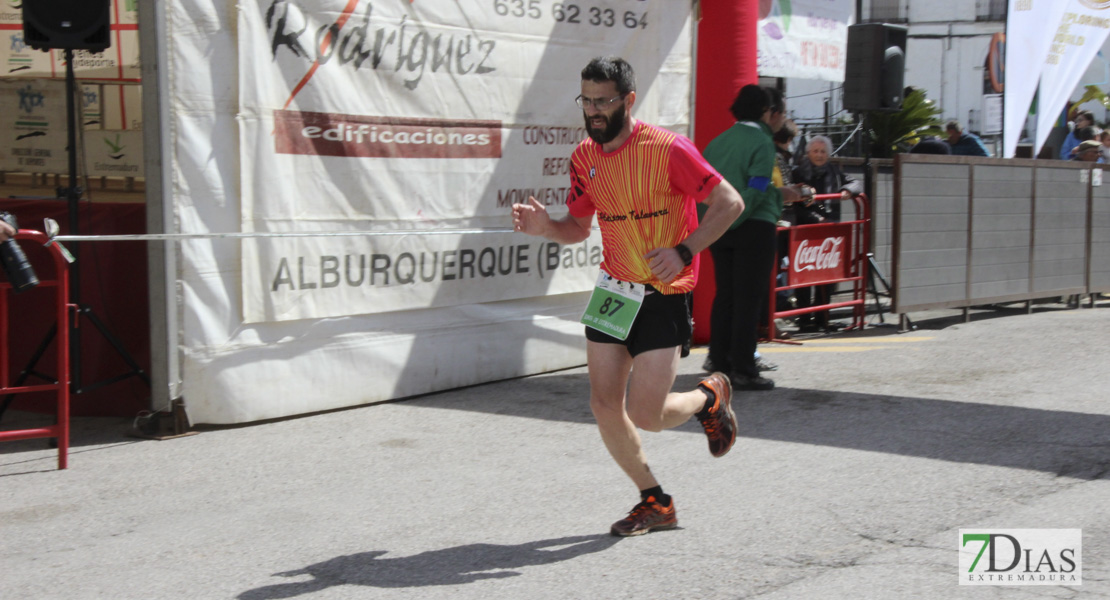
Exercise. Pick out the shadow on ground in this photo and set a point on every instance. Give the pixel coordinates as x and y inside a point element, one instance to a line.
<point>86,434</point>
<point>886,323</point>
<point>449,566</point>
<point>1067,444</point>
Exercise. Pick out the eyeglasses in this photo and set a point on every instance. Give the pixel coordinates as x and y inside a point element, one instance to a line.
<point>597,103</point>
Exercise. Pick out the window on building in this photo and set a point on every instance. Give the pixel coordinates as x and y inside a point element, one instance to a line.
<point>990,10</point>
<point>887,11</point>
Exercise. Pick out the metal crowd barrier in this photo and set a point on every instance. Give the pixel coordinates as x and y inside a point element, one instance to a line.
<point>824,254</point>
<point>59,431</point>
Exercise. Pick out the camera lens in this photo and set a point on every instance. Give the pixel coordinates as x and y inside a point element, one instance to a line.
<point>19,271</point>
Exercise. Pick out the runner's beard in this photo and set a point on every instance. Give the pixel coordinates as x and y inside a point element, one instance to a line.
<point>610,131</point>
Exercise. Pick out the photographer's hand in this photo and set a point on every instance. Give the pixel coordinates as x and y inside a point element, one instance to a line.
<point>6,231</point>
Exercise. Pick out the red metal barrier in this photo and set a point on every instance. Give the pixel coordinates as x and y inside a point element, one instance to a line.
<point>821,254</point>
<point>60,429</point>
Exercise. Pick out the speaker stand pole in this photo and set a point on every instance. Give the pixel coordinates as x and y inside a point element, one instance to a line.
<point>72,196</point>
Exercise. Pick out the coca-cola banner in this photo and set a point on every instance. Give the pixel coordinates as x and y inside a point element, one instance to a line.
<point>420,116</point>
<point>820,254</point>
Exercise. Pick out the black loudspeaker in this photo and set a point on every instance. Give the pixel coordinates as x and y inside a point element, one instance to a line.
<point>875,66</point>
<point>75,24</point>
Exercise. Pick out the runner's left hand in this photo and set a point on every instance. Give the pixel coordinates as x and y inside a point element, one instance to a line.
<point>665,263</point>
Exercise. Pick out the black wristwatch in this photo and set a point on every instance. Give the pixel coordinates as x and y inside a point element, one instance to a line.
<point>685,254</point>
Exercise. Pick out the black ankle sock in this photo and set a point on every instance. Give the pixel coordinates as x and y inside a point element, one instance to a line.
<point>711,399</point>
<point>657,493</point>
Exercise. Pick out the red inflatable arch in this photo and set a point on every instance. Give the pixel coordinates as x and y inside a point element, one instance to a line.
<point>726,62</point>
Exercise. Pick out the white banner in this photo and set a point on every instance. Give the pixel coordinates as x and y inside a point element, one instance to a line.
<point>33,116</point>
<point>1027,43</point>
<point>360,115</point>
<point>806,39</point>
<point>1081,31</point>
<point>416,271</point>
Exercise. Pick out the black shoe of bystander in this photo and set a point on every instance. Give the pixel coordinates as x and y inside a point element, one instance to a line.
<point>745,382</point>
<point>711,367</point>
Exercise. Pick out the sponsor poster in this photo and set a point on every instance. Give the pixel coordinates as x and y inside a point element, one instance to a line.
<point>410,119</point>
<point>820,254</point>
<point>34,126</point>
<point>114,153</point>
<point>806,39</point>
<point>92,107</point>
<point>17,59</point>
<point>33,117</point>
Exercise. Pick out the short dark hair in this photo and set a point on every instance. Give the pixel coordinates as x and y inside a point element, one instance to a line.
<point>1086,114</point>
<point>611,68</point>
<point>778,103</point>
<point>953,126</point>
<point>930,145</point>
<point>786,133</point>
<point>751,102</point>
<point>1086,133</point>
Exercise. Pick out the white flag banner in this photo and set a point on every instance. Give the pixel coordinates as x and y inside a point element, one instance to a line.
<point>1027,44</point>
<point>1082,29</point>
<point>807,39</point>
<point>388,117</point>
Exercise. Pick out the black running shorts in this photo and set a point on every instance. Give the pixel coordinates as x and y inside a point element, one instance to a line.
<point>663,322</point>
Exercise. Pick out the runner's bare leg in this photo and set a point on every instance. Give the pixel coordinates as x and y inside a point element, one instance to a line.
<point>649,405</point>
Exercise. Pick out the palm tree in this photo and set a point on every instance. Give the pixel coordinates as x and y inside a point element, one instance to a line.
<point>893,132</point>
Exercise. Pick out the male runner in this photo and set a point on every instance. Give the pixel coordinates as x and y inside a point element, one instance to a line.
<point>643,182</point>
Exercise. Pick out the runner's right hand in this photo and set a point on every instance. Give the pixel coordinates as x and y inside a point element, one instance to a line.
<point>530,218</point>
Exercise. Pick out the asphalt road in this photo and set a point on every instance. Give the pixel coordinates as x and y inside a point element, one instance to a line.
<point>851,479</point>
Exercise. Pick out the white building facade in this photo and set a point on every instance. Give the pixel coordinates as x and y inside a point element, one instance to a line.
<point>947,50</point>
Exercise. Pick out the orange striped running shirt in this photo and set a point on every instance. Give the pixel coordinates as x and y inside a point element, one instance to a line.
<point>644,195</point>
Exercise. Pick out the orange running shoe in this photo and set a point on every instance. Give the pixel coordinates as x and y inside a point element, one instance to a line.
<point>720,422</point>
<point>646,516</point>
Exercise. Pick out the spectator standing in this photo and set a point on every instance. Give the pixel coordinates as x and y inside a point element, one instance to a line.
<point>1104,138</point>
<point>964,144</point>
<point>1089,151</point>
<point>1083,118</point>
<point>816,171</point>
<point>784,157</point>
<point>1083,135</point>
<point>930,144</point>
<point>745,255</point>
<point>784,162</point>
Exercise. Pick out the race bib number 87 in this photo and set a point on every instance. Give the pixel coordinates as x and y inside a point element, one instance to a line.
<point>613,306</point>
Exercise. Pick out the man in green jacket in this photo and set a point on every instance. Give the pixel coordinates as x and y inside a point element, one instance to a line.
<point>745,255</point>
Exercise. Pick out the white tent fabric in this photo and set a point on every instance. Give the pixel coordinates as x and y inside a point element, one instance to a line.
<point>1082,29</point>
<point>1027,44</point>
<point>247,354</point>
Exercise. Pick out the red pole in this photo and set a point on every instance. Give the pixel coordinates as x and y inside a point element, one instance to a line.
<point>726,61</point>
<point>60,430</point>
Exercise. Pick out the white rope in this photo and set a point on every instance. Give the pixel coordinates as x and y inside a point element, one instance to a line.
<point>290,234</point>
